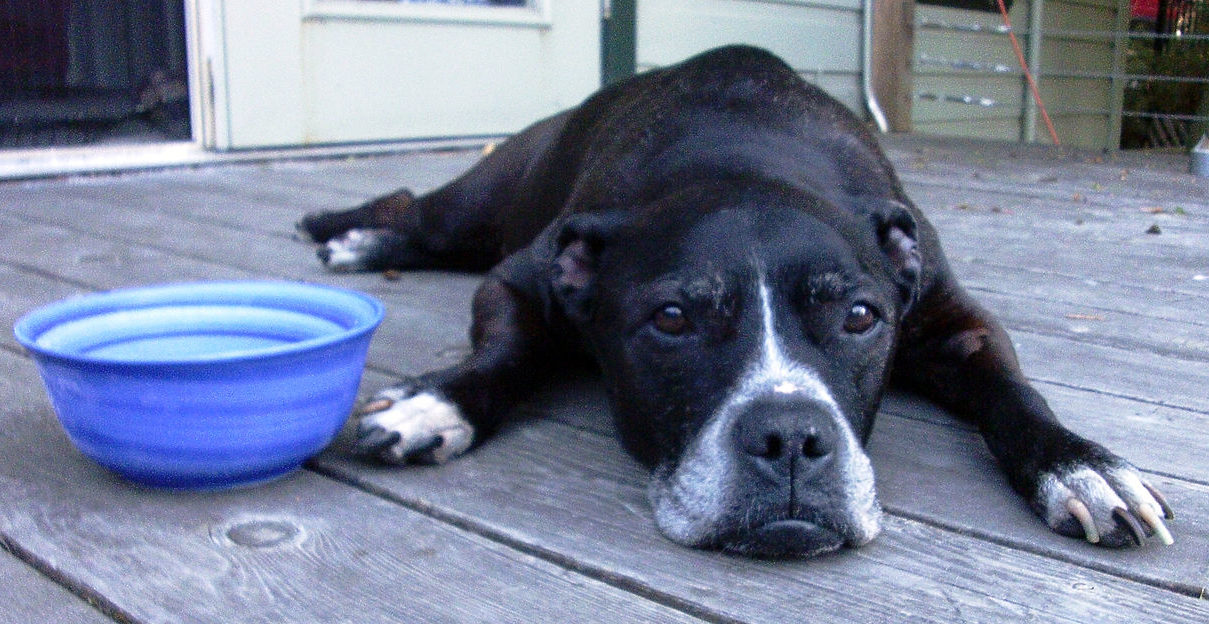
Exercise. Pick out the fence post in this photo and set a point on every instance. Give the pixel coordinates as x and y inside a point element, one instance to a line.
<point>1036,10</point>
<point>1116,98</point>
<point>893,47</point>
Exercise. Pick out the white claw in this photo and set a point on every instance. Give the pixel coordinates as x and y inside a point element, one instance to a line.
<point>1081,513</point>
<point>1151,517</point>
<point>373,407</point>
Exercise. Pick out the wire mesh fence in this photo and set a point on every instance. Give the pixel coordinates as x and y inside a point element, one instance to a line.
<point>1133,75</point>
<point>1167,65</point>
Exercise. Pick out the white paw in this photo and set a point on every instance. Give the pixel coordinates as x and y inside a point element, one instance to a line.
<point>1111,506</point>
<point>352,250</point>
<point>401,426</point>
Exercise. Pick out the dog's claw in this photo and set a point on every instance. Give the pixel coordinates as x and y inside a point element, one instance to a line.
<point>1077,509</point>
<point>1151,518</point>
<point>422,452</point>
<point>1160,499</point>
<point>1122,515</point>
<point>1104,501</point>
<point>376,405</point>
<point>373,441</point>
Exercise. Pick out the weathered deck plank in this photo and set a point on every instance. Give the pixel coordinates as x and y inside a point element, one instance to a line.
<point>1119,179</point>
<point>27,597</point>
<point>957,543</point>
<point>230,245</point>
<point>551,502</point>
<point>1137,258</point>
<point>318,551</point>
<point>1078,321</point>
<point>436,309</point>
<point>931,467</point>
<point>1139,431</point>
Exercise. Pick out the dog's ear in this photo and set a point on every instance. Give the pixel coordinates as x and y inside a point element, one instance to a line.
<point>897,234</point>
<point>581,241</point>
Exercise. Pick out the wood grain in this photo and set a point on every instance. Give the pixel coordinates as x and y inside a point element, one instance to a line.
<point>344,555</point>
<point>934,468</point>
<point>580,505</point>
<point>1109,323</point>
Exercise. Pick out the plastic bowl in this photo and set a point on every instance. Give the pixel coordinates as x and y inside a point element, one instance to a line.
<point>207,385</point>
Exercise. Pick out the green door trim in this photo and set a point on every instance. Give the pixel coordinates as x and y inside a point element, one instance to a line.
<point>618,49</point>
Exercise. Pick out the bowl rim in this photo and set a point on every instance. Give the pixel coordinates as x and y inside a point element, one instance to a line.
<point>31,326</point>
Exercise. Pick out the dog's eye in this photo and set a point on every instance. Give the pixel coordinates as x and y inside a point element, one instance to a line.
<point>861,318</point>
<point>670,319</point>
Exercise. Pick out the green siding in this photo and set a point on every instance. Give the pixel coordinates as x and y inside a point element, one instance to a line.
<point>1075,79</point>
<point>821,39</point>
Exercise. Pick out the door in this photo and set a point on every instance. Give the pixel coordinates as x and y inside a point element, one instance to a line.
<point>311,72</point>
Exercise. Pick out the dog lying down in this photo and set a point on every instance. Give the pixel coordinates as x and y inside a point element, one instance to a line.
<point>732,248</point>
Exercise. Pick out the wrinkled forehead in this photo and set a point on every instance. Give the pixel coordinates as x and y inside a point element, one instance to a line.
<point>740,246</point>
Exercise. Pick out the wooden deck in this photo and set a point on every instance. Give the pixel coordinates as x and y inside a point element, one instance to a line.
<point>549,521</point>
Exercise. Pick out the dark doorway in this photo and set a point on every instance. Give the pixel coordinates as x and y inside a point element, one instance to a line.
<point>618,40</point>
<point>87,72</point>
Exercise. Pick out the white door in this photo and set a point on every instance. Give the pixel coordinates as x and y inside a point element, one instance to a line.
<point>310,72</point>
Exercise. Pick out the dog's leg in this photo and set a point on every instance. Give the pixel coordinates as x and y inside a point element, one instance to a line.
<point>446,229</point>
<point>372,237</point>
<point>440,414</point>
<point>955,353</point>
<point>471,223</point>
<point>383,212</point>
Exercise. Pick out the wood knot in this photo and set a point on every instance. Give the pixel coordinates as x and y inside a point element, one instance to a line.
<point>264,533</point>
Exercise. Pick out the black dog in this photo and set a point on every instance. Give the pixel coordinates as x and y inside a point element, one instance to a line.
<point>732,248</point>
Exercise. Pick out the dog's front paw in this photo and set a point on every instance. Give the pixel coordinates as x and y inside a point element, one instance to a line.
<point>359,249</point>
<point>401,425</point>
<point>1103,500</point>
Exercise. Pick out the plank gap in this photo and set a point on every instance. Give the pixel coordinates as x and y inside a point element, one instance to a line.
<point>1189,294</point>
<point>1023,545</point>
<point>1097,307</point>
<point>1118,395</point>
<point>133,242</point>
<point>43,273</point>
<point>79,589</point>
<point>957,425</point>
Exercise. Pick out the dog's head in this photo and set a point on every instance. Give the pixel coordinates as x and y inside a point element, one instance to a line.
<point>744,334</point>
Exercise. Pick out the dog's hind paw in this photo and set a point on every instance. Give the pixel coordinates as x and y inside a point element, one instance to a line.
<point>1107,503</point>
<point>401,425</point>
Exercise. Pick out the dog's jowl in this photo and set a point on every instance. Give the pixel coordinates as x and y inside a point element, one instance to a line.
<point>734,251</point>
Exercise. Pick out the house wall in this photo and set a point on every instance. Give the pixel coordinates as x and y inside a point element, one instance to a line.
<point>355,74</point>
<point>1076,78</point>
<point>821,39</point>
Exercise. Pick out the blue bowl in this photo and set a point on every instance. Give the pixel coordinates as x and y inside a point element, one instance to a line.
<point>207,385</point>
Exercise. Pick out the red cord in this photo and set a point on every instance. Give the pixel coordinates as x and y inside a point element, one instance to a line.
<point>1027,74</point>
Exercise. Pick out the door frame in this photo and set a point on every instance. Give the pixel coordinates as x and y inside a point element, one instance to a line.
<point>618,40</point>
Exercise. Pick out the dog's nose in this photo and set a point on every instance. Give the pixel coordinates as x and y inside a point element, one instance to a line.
<point>787,438</point>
